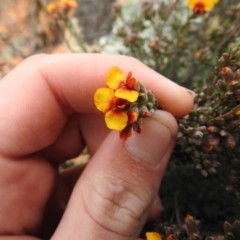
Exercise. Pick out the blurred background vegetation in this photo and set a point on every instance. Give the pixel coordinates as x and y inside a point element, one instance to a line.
<point>199,51</point>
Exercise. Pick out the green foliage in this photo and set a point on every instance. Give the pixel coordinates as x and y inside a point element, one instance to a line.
<point>185,191</point>
<point>169,38</point>
<point>203,176</point>
<point>200,51</point>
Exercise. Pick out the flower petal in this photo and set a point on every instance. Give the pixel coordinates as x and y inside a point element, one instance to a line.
<point>52,7</point>
<point>115,78</point>
<point>129,95</point>
<point>170,237</point>
<point>206,5</point>
<point>191,3</point>
<point>116,120</point>
<point>209,5</point>
<point>130,81</point>
<point>153,236</point>
<point>132,116</point>
<point>237,112</point>
<point>103,98</point>
<point>126,132</point>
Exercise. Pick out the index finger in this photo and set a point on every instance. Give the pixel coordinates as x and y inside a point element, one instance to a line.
<point>77,77</point>
<point>38,96</point>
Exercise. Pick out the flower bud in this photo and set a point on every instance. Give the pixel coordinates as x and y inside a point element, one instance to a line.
<point>151,96</point>
<point>191,225</point>
<point>231,141</point>
<point>216,164</point>
<point>198,134</point>
<point>236,229</point>
<point>225,56</point>
<point>223,133</point>
<point>121,32</point>
<point>229,236</point>
<point>227,227</point>
<point>195,141</point>
<point>219,121</point>
<point>237,94</point>
<point>132,38</point>
<point>143,97</point>
<point>227,74</point>
<point>237,74</point>
<point>188,150</point>
<point>212,170</point>
<point>179,135</point>
<point>204,173</point>
<point>221,84</point>
<point>213,129</point>
<point>212,143</point>
<point>152,46</point>
<point>133,114</point>
<point>195,237</point>
<point>228,94</point>
<point>202,128</point>
<point>233,85</point>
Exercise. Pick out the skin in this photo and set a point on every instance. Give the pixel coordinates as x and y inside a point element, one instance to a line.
<point>48,116</point>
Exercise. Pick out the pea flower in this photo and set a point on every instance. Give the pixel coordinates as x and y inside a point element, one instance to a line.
<point>170,237</point>
<point>201,6</point>
<point>63,5</point>
<point>125,101</point>
<point>152,236</point>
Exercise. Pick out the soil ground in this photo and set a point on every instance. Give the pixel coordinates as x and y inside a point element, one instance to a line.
<point>26,28</point>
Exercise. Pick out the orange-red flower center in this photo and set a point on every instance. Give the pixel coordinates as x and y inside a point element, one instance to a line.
<point>119,104</point>
<point>132,116</point>
<point>130,81</point>
<point>126,132</point>
<point>199,8</point>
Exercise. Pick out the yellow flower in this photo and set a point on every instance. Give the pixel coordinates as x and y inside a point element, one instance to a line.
<point>153,236</point>
<point>201,6</point>
<point>68,4</point>
<point>126,132</point>
<point>237,112</point>
<point>115,99</point>
<point>52,7</point>
<point>123,85</point>
<point>62,5</point>
<point>125,102</point>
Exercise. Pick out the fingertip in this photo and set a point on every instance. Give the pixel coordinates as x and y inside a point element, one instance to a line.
<point>93,69</point>
<point>181,103</point>
<point>173,98</point>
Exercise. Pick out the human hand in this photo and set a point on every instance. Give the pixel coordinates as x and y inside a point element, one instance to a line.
<point>48,116</point>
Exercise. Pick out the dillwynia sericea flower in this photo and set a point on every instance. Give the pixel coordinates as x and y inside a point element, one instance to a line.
<point>201,6</point>
<point>152,236</point>
<point>125,101</point>
<point>62,6</point>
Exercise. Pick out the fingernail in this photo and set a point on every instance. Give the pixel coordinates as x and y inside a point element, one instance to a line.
<point>190,92</point>
<point>151,145</point>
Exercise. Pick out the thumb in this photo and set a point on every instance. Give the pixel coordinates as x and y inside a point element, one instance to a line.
<point>114,195</point>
